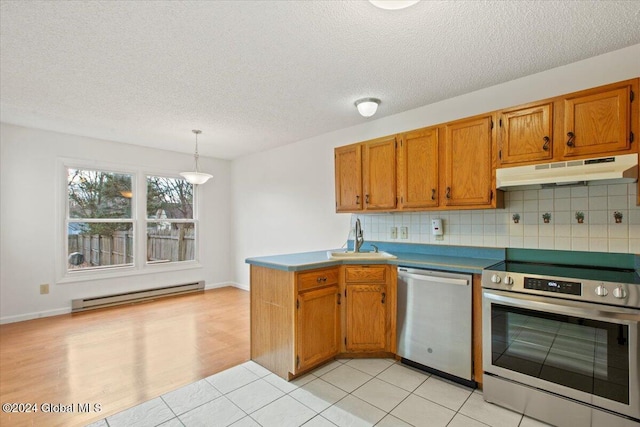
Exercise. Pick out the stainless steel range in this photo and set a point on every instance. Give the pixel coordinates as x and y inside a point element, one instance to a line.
<point>560,343</point>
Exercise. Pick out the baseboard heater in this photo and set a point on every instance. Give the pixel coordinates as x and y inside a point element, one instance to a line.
<point>92,303</point>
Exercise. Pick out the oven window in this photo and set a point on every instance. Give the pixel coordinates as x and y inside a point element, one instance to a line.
<point>587,355</point>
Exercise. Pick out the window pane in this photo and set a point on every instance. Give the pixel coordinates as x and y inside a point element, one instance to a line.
<point>170,242</point>
<point>169,198</point>
<point>99,244</point>
<point>98,194</point>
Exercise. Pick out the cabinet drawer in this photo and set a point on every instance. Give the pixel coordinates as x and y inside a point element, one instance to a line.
<point>366,274</point>
<point>313,279</point>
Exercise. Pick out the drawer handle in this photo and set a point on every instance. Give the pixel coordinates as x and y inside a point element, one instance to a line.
<point>339,298</point>
<point>366,199</point>
<point>546,140</point>
<point>433,194</point>
<point>384,297</point>
<point>357,200</point>
<point>448,195</point>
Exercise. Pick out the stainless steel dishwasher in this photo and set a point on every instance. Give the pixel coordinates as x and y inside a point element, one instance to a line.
<point>434,322</point>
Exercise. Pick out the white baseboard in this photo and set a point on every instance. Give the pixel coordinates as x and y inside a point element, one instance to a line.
<point>59,311</point>
<point>223,284</point>
<point>241,286</point>
<point>36,315</point>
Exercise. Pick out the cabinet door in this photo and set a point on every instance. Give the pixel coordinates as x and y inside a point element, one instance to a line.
<point>525,134</point>
<point>418,169</point>
<point>366,314</point>
<point>318,326</point>
<point>379,174</point>
<point>597,123</point>
<point>469,172</point>
<point>348,165</point>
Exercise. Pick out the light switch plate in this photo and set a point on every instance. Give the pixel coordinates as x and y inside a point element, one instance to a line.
<point>404,232</point>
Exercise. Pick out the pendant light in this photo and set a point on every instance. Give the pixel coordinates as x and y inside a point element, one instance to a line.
<point>196,177</point>
<point>367,107</point>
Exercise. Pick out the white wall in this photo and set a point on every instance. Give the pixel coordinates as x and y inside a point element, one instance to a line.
<point>30,229</point>
<point>283,199</point>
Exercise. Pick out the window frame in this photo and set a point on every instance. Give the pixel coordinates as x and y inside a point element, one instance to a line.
<point>138,219</point>
<point>191,220</point>
<point>69,220</point>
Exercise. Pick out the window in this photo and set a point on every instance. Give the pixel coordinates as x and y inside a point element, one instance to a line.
<point>108,211</point>
<point>171,229</point>
<point>99,219</point>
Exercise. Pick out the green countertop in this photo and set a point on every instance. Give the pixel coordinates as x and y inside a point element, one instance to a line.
<point>460,259</point>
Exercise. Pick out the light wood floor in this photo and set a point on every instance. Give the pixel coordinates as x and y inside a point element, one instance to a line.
<point>119,357</point>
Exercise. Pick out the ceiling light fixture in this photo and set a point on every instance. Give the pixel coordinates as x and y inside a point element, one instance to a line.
<point>196,177</point>
<point>367,107</point>
<point>393,4</point>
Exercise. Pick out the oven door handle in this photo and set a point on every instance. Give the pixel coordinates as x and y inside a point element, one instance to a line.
<point>566,307</point>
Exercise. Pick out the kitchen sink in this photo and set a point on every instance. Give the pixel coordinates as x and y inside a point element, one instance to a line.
<point>359,255</point>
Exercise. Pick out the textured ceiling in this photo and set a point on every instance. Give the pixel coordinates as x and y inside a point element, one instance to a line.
<point>258,74</point>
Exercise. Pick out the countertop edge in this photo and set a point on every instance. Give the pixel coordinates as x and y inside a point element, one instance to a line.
<point>437,262</point>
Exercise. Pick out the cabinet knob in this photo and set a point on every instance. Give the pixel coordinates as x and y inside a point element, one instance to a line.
<point>572,137</point>
<point>546,140</point>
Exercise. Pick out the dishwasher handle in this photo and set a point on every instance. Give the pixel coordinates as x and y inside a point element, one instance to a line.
<point>438,279</point>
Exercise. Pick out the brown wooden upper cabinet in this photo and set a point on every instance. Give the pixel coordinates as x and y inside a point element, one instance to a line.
<point>525,134</point>
<point>451,165</point>
<point>593,122</point>
<point>598,121</point>
<point>469,178</point>
<point>348,169</point>
<point>418,169</point>
<point>366,176</point>
<point>379,173</point>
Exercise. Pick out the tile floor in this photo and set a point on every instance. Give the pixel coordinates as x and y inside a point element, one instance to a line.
<point>345,392</point>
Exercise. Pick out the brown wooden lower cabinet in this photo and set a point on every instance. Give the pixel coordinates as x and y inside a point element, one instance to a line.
<point>369,311</point>
<point>366,312</point>
<point>317,326</point>
<point>300,320</point>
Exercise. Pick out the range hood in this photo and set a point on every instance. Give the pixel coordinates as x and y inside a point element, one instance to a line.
<point>602,170</point>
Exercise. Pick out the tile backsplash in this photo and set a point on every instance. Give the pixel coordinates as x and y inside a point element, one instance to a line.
<point>599,231</point>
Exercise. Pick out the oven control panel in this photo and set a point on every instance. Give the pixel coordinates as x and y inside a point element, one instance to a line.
<point>557,286</point>
<point>565,287</point>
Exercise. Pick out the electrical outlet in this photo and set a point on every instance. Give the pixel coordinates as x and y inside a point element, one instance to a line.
<point>44,289</point>
<point>404,232</point>
<point>394,232</point>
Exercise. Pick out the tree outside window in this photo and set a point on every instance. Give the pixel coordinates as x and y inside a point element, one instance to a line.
<point>99,219</point>
<point>171,228</point>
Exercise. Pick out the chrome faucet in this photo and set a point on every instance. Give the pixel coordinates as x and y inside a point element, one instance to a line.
<point>359,240</point>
